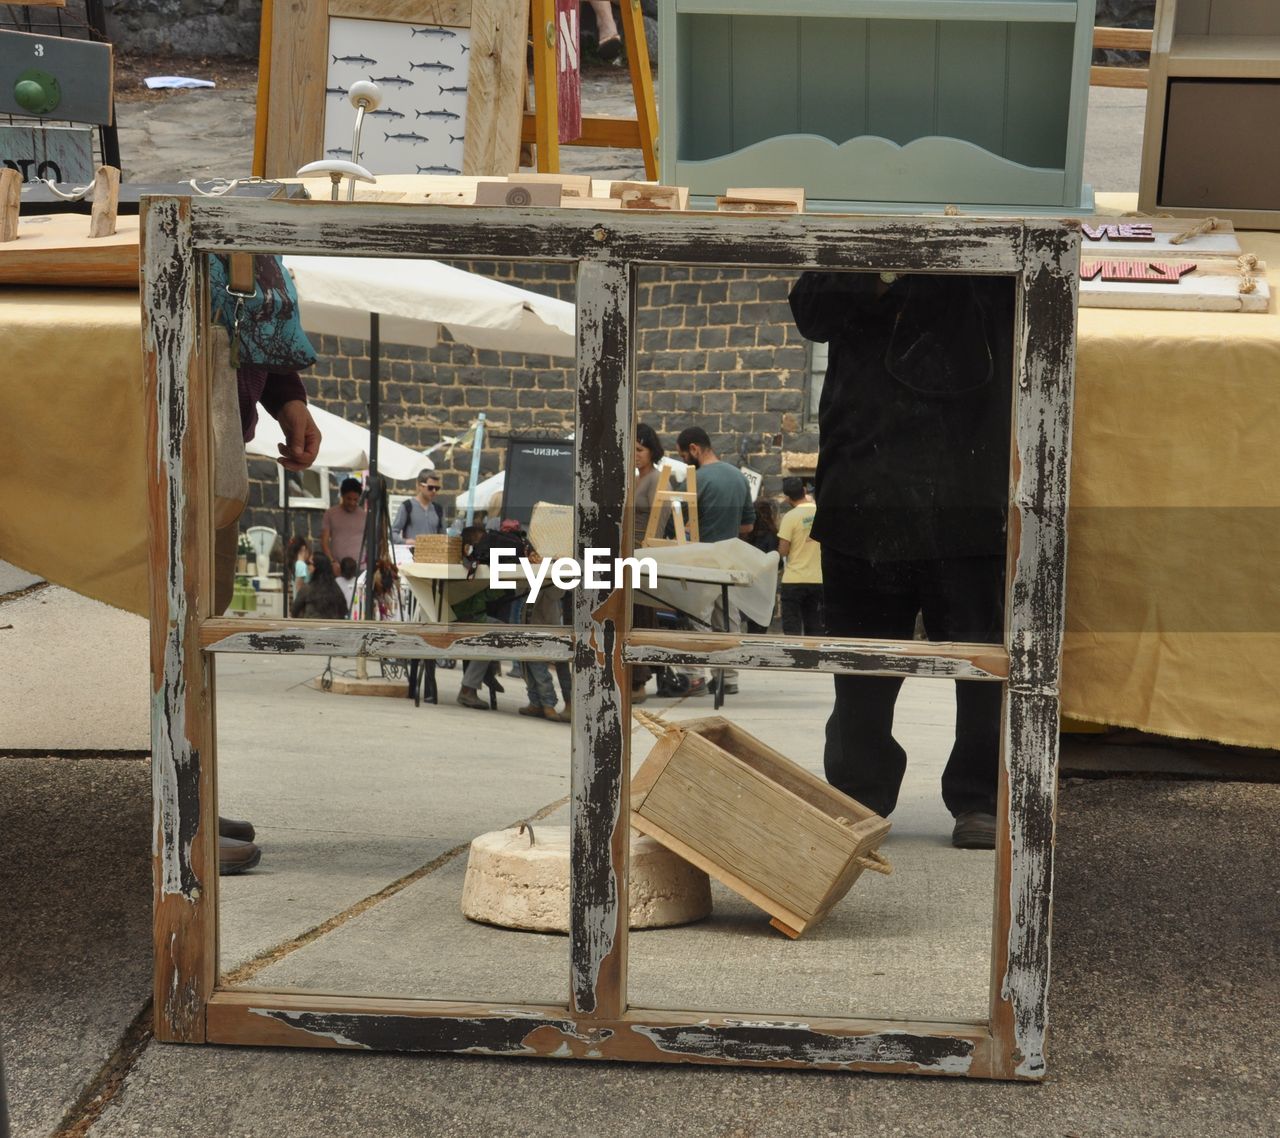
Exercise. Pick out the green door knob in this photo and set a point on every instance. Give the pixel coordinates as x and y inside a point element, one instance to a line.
<point>37,92</point>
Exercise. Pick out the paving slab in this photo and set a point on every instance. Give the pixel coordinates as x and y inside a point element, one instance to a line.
<point>75,675</point>
<point>13,579</point>
<point>75,924</point>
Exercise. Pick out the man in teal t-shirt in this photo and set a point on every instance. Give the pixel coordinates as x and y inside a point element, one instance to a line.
<point>724,511</point>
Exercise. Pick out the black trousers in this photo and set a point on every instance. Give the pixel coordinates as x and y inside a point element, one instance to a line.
<point>962,599</point>
<point>802,610</point>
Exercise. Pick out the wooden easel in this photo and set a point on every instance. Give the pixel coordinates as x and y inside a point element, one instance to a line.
<point>684,510</point>
<point>639,133</point>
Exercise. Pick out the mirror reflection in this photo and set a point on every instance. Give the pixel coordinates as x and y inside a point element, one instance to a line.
<point>835,446</point>
<point>466,444</point>
<point>352,818</point>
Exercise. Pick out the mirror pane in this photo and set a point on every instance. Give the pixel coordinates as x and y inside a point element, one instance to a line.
<point>364,811</point>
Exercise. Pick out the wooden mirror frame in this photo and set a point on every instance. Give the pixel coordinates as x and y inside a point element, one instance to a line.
<point>606,248</point>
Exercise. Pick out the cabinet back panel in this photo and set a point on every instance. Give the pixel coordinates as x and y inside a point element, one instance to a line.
<point>833,89</point>
<point>1004,87</point>
<point>1212,158</point>
<point>1039,86</point>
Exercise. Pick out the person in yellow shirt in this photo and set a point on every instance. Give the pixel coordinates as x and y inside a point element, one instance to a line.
<point>802,577</point>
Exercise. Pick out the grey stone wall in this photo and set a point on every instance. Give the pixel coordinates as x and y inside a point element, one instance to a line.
<point>185,27</point>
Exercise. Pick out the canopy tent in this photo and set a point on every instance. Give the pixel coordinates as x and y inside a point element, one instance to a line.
<point>482,495</point>
<point>415,299</point>
<point>344,446</point>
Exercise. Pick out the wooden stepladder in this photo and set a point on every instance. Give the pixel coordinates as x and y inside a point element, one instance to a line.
<point>680,505</point>
<point>541,124</point>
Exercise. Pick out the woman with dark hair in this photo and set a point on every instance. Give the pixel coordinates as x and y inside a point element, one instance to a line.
<point>764,536</point>
<point>320,598</point>
<point>649,453</point>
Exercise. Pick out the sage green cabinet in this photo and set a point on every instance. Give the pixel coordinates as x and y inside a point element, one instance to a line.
<point>896,103</point>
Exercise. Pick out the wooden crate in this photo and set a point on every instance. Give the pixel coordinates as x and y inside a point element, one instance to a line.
<point>437,549</point>
<point>754,820</point>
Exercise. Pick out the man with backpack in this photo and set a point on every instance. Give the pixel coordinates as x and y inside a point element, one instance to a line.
<point>420,514</point>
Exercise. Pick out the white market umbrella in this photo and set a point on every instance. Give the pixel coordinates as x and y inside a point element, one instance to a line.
<point>415,299</point>
<point>344,446</point>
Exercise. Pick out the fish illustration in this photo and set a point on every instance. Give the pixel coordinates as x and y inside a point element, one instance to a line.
<point>452,90</point>
<point>384,114</point>
<point>456,137</point>
<point>438,33</point>
<point>353,59</point>
<point>438,170</point>
<point>405,137</point>
<point>437,66</point>
<point>436,115</point>
<point>336,91</point>
<point>338,152</point>
<point>393,80</point>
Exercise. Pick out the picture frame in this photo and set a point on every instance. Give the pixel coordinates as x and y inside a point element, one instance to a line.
<point>597,1021</point>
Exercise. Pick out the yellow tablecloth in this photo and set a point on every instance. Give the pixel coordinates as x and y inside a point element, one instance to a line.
<point>1173,610</point>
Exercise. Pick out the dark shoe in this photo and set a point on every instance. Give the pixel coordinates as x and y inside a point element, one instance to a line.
<point>516,670</point>
<point>234,828</point>
<point>532,710</point>
<point>638,695</point>
<point>697,687</point>
<point>730,686</point>
<point>236,857</point>
<point>468,698</point>
<point>974,831</point>
<point>609,49</point>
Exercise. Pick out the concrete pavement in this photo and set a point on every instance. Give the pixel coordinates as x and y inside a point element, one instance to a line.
<point>1164,1003</point>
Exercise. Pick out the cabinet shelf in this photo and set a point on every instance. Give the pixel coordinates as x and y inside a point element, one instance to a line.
<point>1243,57</point>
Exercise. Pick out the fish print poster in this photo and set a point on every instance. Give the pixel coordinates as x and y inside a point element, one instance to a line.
<point>422,70</point>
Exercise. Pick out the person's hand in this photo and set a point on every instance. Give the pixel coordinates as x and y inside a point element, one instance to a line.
<point>301,436</point>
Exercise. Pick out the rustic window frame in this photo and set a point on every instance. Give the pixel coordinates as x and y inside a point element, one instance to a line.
<point>1043,256</point>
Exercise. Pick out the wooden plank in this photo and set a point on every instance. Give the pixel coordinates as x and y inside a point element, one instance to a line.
<point>901,95</point>
<point>972,74</point>
<point>546,94</point>
<point>844,656</point>
<point>833,78</point>
<point>295,106</point>
<point>640,1035</point>
<point>55,249</point>
<point>1123,39</point>
<point>654,764</point>
<point>601,764</point>
<point>646,120</point>
<point>106,191</point>
<point>764,78</point>
<point>1037,105</point>
<point>1211,285</point>
<point>377,640</point>
<point>1129,77</point>
<point>496,86</point>
<point>180,529</point>
<point>266,28</point>
<point>718,870</point>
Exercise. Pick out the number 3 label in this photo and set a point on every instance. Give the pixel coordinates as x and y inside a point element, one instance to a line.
<point>39,49</point>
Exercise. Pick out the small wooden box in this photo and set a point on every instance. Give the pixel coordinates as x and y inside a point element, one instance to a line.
<point>437,549</point>
<point>754,820</point>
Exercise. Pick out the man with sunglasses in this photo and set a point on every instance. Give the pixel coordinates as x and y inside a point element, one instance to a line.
<point>421,514</point>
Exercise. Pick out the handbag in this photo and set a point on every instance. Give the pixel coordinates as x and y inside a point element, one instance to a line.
<point>264,325</point>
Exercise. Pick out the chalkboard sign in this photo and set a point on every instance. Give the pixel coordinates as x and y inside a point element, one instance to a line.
<point>538,470</point>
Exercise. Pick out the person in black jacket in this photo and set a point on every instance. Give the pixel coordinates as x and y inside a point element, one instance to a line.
<point>320,598</point>
<point>912,493</point>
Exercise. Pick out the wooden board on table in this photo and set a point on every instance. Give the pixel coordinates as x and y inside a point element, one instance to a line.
<point>1153,236</point>
<point>55,249</point>
<point>1210,285</point>
<point>762,199</point>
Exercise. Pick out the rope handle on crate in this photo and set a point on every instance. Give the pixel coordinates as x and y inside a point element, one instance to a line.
<point>654,724</point>
<point>876,862</point>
